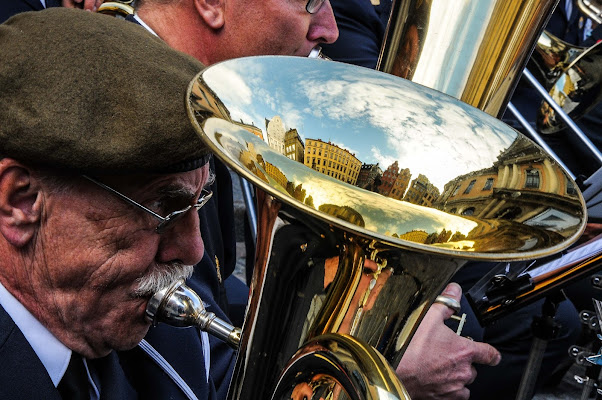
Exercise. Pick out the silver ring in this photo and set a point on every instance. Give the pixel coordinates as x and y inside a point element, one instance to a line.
<point>449,302</point>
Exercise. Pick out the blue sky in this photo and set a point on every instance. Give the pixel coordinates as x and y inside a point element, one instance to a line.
<point>379,117</point>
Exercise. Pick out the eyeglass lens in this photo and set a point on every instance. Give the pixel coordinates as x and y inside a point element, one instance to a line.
<point>174,216</point>
<point>313,5</point>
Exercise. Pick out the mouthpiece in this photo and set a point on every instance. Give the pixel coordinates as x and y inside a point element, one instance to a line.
<point>178,305</point>
<point>316,52</point>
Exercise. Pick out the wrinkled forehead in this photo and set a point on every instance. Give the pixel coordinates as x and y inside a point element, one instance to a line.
<point>187,182</point>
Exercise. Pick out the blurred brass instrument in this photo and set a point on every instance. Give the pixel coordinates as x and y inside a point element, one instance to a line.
<point>471,50</point>
<point>551,58</point>
<point>591,8</point>
<point>120,9</point>
<point>577,88</point>
<point>569,79</point>
<point>344,275</point>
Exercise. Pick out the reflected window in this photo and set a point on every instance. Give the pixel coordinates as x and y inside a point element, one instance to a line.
<point>532,179</point>
<point>453,210</point>
<point>468,211</point>
<point>488,184</point>
<point>456,190</point>
<point>509,213</point>
<point>469,187</point>
<point>570,188</point>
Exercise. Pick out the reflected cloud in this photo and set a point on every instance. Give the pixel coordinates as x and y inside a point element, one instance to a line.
<point>405,121</point>
<point>433,170</point>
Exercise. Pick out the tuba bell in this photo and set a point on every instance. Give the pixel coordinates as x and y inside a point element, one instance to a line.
<point>344,275</point>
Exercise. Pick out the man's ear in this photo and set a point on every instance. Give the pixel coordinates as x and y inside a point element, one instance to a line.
<point>212,12</point>
<point>20,203</point>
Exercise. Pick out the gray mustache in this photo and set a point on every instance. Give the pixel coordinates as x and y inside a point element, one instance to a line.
<point>163,276</point>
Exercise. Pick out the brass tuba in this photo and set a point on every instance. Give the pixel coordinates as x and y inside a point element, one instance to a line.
<point>344,275</point>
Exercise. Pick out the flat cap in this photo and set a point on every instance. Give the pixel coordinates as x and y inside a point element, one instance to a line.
<point>94,93</point>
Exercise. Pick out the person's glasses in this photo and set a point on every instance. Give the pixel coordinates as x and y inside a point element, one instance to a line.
<point>166,222</point>
<point>313,6</point>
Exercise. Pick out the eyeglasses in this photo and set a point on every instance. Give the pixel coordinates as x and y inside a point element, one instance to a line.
<point>313,6</point>
<point>166,222</point>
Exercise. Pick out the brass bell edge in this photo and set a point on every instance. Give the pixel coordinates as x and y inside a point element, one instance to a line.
<point>468,255</point>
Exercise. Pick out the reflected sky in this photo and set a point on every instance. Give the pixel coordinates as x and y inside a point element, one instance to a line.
<point>381,214</point>
<point>377,117</point>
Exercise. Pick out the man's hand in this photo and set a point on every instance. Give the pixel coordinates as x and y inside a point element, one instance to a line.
<point>91,5</point>
<point>438,363</point>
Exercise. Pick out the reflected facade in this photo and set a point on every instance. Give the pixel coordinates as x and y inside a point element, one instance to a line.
<point>465,191</point>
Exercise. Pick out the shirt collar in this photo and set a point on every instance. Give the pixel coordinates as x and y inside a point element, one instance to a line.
<point>141,22</point>
<point>52,353</point>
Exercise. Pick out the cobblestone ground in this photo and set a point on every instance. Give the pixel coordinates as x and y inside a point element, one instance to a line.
<point>568,389</point>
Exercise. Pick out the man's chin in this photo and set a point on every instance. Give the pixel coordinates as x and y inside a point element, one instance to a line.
<point>135,337</point>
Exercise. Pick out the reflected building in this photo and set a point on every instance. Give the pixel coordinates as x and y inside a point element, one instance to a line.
<point>293,145</point>
<point>207,104</point>
<point>251,128</point>
<point>275,132</point>
<point>253,161</point>
<point>330,159</point>
<point>275,173</point>
<point>394,182</point>
<point>389,177</point>
<point>416,236</point>
<point>422,192</point>
<point>512,190</point>
<point>345,213</point>
<point>370,177</point>
<point>401,184</point>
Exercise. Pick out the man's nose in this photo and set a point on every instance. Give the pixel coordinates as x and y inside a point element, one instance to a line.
<point>323,27</point>
<point>182,242</point>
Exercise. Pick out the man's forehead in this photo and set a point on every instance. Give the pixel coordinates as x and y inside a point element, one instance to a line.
<point>190,181</point>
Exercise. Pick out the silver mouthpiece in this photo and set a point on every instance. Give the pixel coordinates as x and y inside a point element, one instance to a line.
<point>178,305</point>
<point>316,52</point>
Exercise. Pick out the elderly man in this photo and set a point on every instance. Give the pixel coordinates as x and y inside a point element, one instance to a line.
<point>77,262</point>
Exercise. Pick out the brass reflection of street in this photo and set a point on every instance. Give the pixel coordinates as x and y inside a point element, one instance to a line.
<point>497,190</point>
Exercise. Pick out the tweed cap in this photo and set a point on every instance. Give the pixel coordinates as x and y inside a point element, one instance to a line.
<point>95,94</point>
